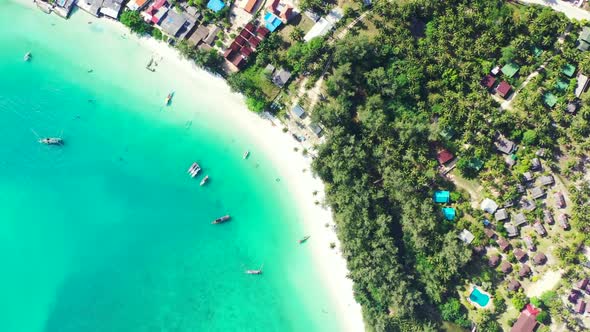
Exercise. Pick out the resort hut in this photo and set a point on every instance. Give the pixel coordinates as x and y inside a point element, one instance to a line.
<point>519,254</point>
<point>535,164</point>
<point>581,85</point>
<point>504,145</point>
<point>546,180</point>
<point>316,129</point>
<point>580,306</point>
<point>501,215</point>
<point>466,236</point>
<point>524,271</point>
<point>520,188</point>
<point>489,206</point>
<point>540,259</point>
<point>563,221</point>
<point>494,260</point>
<point>489,233</point>
<point>559,200</point>
<point>528,176</point>
<point>537,193</point>
<point>572,107</point>
<point>573,296</point>
<point>503,244</point>
<point>449,213</point>
<point>444,156</point>
<point>504,89</point>
<point>539,228</point>
<point>488,81</point>
<point>527,205</point>
<point>442,196</point>
<point>519,219</point>
<point>529,243</point>
<point>511,230</point>
<point>582,283</point>
<point>506,267</point>
<point>281,77</point>
<point>548,217</point>
<point>513,285</point>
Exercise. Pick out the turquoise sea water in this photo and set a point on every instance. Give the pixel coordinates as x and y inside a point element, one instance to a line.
<point>108,233</point>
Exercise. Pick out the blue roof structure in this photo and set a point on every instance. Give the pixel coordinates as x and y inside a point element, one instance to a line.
<point>215,5</point>
<point>486,222</point>
<point>449,213</point>
<point>298,111</point>
<point>442,196</point>
<point>271,21</point>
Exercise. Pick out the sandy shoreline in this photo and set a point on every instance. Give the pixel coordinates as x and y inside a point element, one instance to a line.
<point>279,147</point>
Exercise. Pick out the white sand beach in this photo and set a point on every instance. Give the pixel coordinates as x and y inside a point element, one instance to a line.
<point>279,146</point>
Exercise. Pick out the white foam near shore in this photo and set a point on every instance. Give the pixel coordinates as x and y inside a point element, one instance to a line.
<point>279,146</point>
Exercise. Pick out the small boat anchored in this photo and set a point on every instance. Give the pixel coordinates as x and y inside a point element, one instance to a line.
<point>169,98</point>
<point>221,220</point>
<point>246,154</point>
<point>27,56</point>
<point>204,180</point>
<point>52,141</point>
<point>255,271</point>
<point>194,170</point>
<point>305,238</point>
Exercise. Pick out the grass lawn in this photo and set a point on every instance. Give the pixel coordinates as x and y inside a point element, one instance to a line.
<point>471,186</point>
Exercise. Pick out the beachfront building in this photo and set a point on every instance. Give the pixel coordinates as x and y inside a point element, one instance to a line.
<point>244,45</point>
<point>281,77</point>
<point>156,11</point>
<point>198,35</point>
<point>177,25</point>
<point>137,4</point>
<point>324,25</point>
<point>281,10</point>
<point>111,8</point>
<point>90,6</point>
<point>503,89</point>
<point>63,8</point>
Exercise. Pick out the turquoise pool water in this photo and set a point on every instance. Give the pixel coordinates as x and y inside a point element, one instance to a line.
<point>478,297</point>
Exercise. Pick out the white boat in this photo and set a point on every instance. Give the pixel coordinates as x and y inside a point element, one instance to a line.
<point>246,154</point>
<point>195,171</point>
<point>193,166</point>
<point>51,141</point>
<point>27,56</point>
<point>204,180</point>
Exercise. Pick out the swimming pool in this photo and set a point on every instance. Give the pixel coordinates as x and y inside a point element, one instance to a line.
<point>479,297</point>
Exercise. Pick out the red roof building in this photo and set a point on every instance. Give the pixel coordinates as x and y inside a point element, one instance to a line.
<point>444,156</point>
<point>283,11</point>
<point>238,61</point>
<point>250,27</point>
<point>246,50</point>
<point>249,7</point>
<point>254,41</point>
<point>488,81</point>
<point>503,89</point>
<point>262,32</point>
<point>580,306</point>
<point>228,53</point>
<point>245,34</point>
<point>240,41</point>
<point>527,321</point>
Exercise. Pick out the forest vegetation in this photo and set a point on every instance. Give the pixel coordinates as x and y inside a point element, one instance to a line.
<point>390,101</point>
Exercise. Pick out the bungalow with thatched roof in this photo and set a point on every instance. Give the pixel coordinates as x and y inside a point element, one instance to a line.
<point>540,259</point>
<point>511,230</point>
<point>529,243</point>
<point>548,217</point>
<point>494,260</point>
<point>563,221</point>
<point>519,254</point>
<point>503,244</point>
<point>519,219</point>
<point>513,285</point>
<point>506,267</point>
<point>537,193</point>
<point>524,271</point>
<point>559,200</point>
